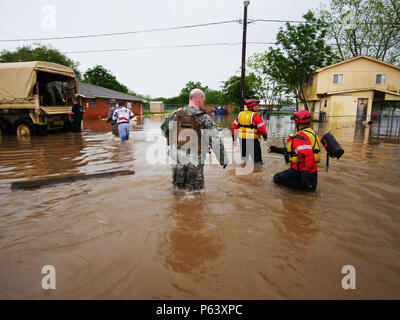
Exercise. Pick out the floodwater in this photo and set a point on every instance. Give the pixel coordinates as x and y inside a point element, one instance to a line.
<point>244,237</point>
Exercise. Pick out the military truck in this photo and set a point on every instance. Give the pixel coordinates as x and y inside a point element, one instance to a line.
<point>35,97</point>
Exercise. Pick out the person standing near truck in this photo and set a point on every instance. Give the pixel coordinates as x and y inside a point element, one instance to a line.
<point>55,93</point>
<point>77,115</point>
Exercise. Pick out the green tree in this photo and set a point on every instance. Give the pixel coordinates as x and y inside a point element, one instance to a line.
<point>100,76</point>
<point>364,27</point>
<point>300,50</point>
<point>214,97</point>
<point>170,103</point>
<point>183,97</point>
<point>267,87</point>
<point>286,100</point>
<point>39,53</point>
<point>133,93</point>
<point>146,97</point>
<point>232,91</point>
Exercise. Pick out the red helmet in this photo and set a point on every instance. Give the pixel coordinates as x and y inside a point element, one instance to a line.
<point>302,116</point>
<point>251,103</point>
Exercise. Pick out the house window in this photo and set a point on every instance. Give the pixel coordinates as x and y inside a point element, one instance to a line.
<point>93,102</point>
<point>380,78</point>
<point>325,103</point>
<point>311,81</point>
<point>129,104</point>
<point>338,79</point>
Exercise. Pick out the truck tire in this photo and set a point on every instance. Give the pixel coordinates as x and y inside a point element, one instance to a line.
<point>24,127</point>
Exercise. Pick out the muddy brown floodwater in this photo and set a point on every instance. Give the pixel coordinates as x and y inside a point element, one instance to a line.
<point>242,238</point>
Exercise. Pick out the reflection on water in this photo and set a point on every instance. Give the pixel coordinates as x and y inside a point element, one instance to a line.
<point>191,241</point>
<point>35,157</point>
<point>104,127</point>
<point>298,228</point>
<point>242,238</point>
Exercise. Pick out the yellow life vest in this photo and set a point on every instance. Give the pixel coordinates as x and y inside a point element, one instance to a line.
<point>314,142</point>
<point>247,129</point>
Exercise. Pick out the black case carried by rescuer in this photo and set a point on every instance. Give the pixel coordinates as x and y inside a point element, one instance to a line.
<point>331,145</point>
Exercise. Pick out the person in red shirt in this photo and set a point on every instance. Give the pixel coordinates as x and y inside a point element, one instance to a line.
<point>249,126</point>
<point>303,154</point>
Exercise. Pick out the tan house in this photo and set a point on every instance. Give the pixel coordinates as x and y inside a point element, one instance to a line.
<point>352,87</point>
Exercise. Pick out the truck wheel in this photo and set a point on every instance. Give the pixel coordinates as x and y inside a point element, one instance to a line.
<point>24,127</point>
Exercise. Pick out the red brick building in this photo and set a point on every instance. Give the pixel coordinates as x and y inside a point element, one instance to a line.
<point>96,101</point>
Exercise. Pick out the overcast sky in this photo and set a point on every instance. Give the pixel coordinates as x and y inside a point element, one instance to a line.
<point>158,71</point>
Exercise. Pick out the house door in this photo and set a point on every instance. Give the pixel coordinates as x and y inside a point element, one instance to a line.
<point>362,109</point>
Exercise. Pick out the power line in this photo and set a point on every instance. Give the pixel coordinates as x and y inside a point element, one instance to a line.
<point>326,22</point>
<point>123,33</point>
<point>170,47</point>
<point>178,28</point>
<point>193,45</point>
<point>279,21</point>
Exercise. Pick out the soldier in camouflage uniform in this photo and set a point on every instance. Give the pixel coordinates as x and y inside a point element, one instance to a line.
<point>55,93</point>
<point>189,156</point>
<point>114,124</point>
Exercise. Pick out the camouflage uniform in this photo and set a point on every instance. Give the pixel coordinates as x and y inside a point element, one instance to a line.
<point>188,169</point>
<point>114,123</point>
<point>55,93</point>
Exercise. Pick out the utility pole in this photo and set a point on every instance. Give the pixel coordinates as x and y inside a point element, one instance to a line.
<point>243,82</point>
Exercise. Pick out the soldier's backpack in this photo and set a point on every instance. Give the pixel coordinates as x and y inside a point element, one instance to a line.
<point>188,122</point>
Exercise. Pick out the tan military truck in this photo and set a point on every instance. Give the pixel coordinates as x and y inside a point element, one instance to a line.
<point>35,97</point>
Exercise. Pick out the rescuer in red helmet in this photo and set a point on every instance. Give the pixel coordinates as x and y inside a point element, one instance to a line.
<point>250,126</point>
<point>303,154</point>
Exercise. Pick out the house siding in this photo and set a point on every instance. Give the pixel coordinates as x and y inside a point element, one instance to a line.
<point>358,74</point>
<point>311,91</point>
<point>101,109</point>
